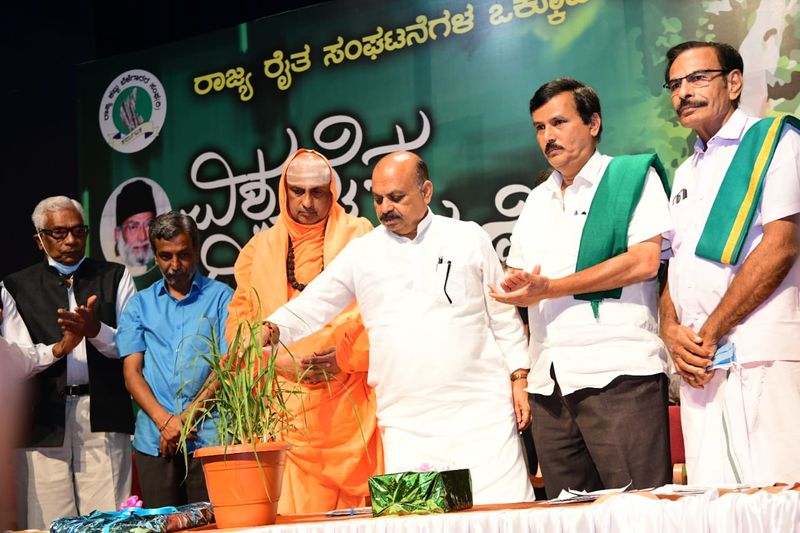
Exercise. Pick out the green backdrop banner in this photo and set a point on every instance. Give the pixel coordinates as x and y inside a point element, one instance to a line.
<point>205,124</point>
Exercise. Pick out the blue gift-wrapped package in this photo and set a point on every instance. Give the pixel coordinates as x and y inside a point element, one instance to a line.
<point>136,520</point>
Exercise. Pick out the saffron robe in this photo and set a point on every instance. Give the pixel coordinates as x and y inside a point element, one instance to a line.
<point>336,441</point>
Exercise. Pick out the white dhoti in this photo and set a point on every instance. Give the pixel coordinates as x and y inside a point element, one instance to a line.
<point>447,405</point>
<point>742,427</point>
<point>480,437</point>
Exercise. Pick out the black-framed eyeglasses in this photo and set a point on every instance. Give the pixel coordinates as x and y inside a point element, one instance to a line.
<point>697,79</point>
<point>59,234</point>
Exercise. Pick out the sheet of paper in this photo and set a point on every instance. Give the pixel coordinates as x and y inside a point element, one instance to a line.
<point>577,496</point>
<point>688,490</point>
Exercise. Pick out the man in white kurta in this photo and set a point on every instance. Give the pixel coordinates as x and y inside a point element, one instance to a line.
<point>441,350</point>
<point>739,425</point>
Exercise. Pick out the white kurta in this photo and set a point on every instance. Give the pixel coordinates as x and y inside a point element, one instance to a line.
<point>772,330</point>
<point>441,349</point>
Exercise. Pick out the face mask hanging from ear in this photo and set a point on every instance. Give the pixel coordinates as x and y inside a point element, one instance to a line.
<point>64,270</point>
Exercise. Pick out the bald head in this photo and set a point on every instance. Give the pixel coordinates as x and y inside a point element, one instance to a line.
<point>401,192</point>
<point>308,170</point>
<point>409,162</point>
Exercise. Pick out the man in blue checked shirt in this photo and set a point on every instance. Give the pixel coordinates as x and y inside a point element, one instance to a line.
<point>162,336</point>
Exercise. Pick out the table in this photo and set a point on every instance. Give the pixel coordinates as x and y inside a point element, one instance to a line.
<point>755,511</point>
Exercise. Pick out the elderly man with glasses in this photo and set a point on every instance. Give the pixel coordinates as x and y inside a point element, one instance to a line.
<point>734,278</point>
<point>77,446</point>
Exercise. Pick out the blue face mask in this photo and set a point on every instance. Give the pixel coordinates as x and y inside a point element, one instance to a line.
<point>64,270</point>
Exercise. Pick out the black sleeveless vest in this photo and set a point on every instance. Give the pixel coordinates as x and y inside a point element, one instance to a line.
<point>38,292</point>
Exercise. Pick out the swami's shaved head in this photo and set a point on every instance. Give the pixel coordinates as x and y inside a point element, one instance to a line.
<point>308,170</point>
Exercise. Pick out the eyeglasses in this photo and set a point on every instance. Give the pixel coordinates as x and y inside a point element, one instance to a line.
<point>697,79</point>
<point>134,226</point>
<point>59,234</point>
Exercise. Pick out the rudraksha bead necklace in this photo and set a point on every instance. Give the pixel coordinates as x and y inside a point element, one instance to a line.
<point>290,269</point>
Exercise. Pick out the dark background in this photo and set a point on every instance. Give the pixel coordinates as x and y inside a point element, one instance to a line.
<point>42,43</point>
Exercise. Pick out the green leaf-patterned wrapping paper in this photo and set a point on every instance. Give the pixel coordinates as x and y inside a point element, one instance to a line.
<point>420,492</point>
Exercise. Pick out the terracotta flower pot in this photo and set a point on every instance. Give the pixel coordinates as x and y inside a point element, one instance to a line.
<point>241,495</point>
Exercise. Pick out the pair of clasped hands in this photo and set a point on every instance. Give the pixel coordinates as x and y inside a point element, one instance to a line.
<point>692,353</point>
<point>309,369</point>
<point>77,324</point>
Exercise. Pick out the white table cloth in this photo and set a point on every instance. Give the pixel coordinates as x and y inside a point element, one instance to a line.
<point>709,512</point>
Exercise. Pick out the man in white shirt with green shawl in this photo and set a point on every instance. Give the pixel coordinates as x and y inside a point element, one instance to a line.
<point>734,278</point>
<point>447,362</point>
<point>586,250</point>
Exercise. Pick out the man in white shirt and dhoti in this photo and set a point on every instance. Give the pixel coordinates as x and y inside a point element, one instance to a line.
<point>734,277</point>
<point>447,362</point>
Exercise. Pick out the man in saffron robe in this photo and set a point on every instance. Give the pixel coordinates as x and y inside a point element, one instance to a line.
<point>336,442</point>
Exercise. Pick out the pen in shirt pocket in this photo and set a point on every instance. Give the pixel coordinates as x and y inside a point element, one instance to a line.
<point>446,278</point>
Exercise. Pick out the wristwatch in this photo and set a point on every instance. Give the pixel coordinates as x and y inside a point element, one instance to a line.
<point>519,374</point>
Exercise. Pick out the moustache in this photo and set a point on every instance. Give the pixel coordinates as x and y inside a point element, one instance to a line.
<point>690,103</point>
<point>386,217</point>
<point>552,146</point>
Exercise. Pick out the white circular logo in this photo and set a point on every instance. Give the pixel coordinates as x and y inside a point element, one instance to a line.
<point>132,111</point>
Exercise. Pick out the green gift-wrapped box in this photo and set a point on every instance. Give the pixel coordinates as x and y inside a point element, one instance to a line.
<point>420,492</point>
